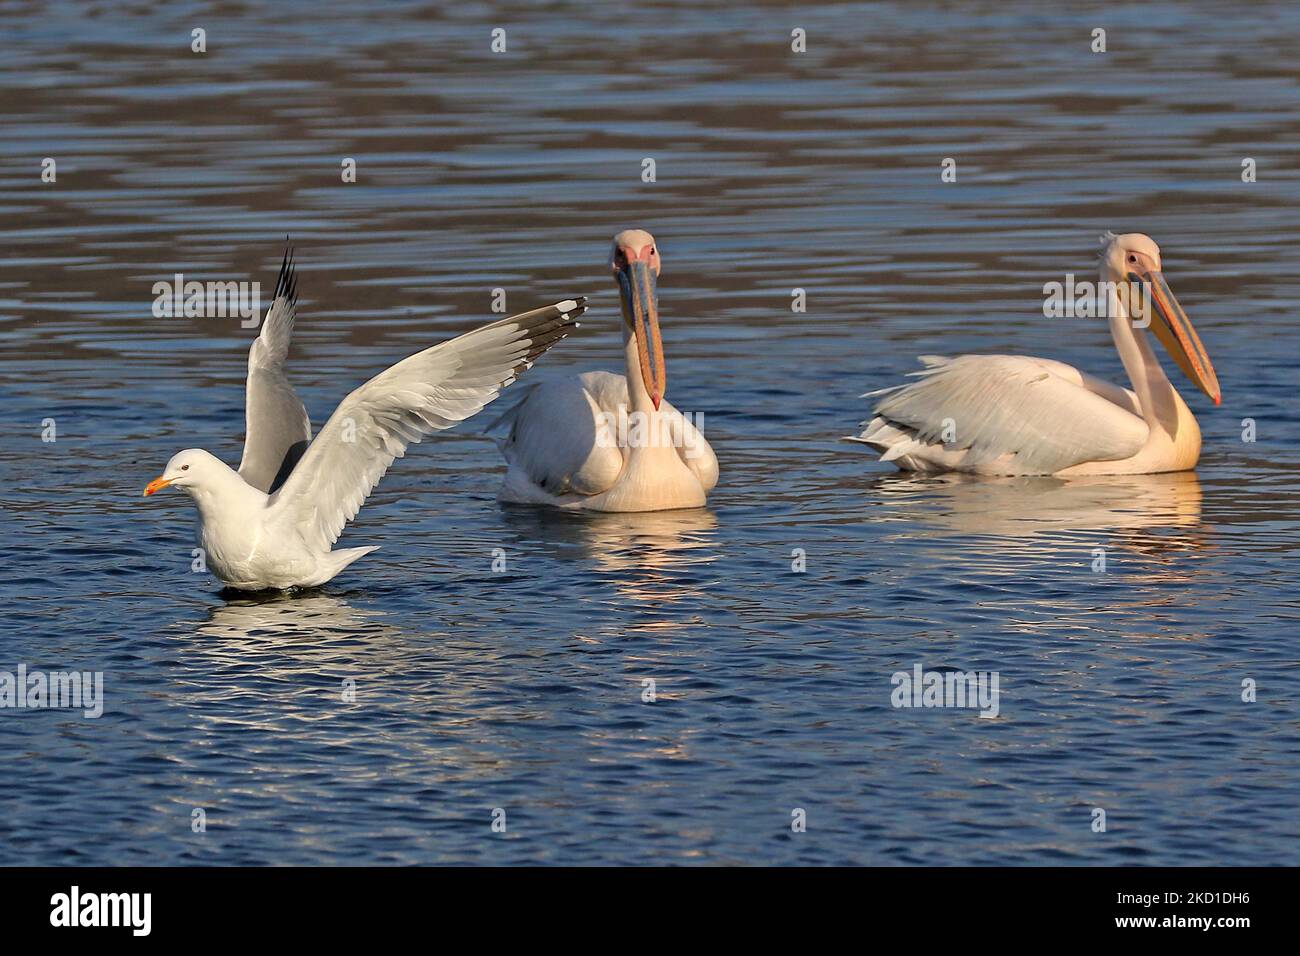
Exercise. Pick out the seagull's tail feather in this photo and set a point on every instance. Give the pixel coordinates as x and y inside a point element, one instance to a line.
<point>334,562</point>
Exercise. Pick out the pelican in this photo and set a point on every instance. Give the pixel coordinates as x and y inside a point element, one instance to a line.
<point>1017,415</point>
<point>607,442</point>
<point>273,523</point>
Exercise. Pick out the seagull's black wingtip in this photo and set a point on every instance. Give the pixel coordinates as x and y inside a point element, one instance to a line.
<point>286,284</point>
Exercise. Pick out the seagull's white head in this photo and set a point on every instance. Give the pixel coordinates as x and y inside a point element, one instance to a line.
<point>188,469</point>
<point>1133,259</point>
<point>634,261</point>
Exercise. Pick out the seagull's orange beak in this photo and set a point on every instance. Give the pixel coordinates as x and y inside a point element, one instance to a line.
<point>158,484</point>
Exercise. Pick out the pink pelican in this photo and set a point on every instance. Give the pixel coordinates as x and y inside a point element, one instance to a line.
<point>607,442</point>
<point>1017,415</point>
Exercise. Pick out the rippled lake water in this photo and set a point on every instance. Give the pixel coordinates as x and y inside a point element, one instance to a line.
<point>522,690</point>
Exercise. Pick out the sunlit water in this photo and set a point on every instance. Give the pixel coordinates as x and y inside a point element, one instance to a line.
<point>522,689</point>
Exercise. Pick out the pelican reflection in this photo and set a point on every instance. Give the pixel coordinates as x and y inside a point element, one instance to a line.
<point>652,556</point>
<point>1026,506</point>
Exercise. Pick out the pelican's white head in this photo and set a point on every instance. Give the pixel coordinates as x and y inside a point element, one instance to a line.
<point>631,245</point>
<point>1131,252</point>
<point>634,261</point>
<point>1134,258</point>
<point>190,470</point>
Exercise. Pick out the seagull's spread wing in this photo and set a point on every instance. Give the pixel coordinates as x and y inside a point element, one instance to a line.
<point>277,428</point>
<point>1010,405</point>
<point>425,393</point>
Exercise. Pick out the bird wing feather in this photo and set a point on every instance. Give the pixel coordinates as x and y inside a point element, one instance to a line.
<point>996,405</point>
<point>427,392</point>
<point>277,428</point>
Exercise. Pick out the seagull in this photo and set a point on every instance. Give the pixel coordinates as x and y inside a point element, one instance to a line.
<point>607,442</point>
<point>1019,415</point>
<point>272,524</point>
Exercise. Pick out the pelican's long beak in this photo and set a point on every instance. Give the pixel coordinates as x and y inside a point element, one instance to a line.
<point>158,484</point>
<point>1175,332</point>
<point>641,306</point>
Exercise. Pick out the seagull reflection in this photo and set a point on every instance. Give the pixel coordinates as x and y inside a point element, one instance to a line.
<point>285,665</point>
<point>309,629</point>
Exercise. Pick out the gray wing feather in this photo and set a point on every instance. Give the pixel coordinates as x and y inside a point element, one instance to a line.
<point>277,428</point>
<point>422,394</point>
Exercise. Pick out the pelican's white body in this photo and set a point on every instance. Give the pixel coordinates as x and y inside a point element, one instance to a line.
<point>1083,428</point>
<point>1020,415</point>
<point>561,451</point>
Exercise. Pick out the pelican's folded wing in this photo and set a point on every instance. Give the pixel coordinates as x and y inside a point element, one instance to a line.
<point>277,428</point>
<point>1012,405</point>
<point>427,392</point>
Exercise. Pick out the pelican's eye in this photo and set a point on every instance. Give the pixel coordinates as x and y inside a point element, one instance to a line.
<point>652,250</point>
<point>185,467</point>
<point>1132,258</point>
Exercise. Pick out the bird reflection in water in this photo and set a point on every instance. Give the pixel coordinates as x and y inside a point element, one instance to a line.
<point>284,615</point>
<point>1155,516</point>
<point>653,558</point>
<point>307,631</point>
